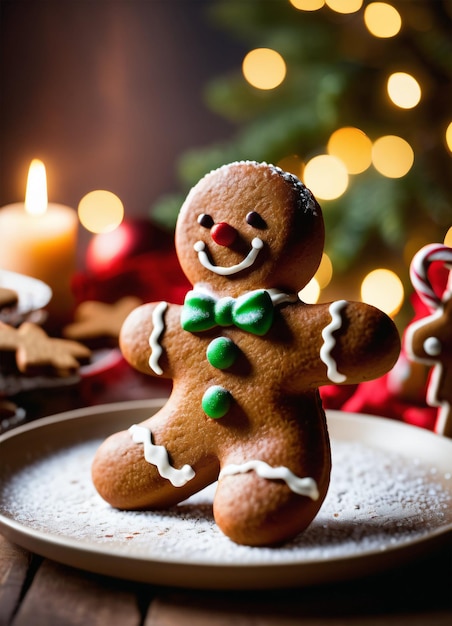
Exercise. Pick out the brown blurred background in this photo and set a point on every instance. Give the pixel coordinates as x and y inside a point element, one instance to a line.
<point>107,93</point>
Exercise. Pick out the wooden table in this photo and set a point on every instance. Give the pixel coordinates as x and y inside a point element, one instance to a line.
<point>36,591</point>
<point>39,592</point>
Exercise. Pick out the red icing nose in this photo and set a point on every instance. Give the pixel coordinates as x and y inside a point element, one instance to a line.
<point>223,234</point>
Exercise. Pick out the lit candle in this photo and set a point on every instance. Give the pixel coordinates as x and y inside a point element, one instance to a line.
<point>39,239</point>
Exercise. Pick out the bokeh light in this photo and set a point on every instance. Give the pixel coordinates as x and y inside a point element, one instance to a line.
<point>310,294</point>
<point>404,90</point>
<point>353,147</point>
<point>449,136</point>
<point>345,6</point>
<point>307,5</point>
<point>382,19</point>
<point>392,156</point>
<point>326,176</point>
<point>293,164</point>
<point>264,68</point>
<point>448,238</point>
<point>324,273</point>
<point>105,249</point>
<point>383,289</point>
<point>100,211</point>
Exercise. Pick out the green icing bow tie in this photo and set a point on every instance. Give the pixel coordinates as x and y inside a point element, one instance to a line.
<point>252,312</point>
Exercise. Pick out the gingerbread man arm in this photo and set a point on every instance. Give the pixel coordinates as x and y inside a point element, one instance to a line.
<point>365,345</point>
<point>427,339</point>
<point>341,343</point>
<point>144,335</point>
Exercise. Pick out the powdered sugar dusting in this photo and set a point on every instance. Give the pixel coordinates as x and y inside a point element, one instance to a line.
<point>377,500</point>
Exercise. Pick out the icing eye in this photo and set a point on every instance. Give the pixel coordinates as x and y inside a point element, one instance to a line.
<point>205,220</point>
<point>255,220</point>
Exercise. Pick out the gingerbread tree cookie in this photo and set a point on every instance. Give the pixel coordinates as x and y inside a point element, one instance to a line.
<point>429,340</point>
<point>246,357</point>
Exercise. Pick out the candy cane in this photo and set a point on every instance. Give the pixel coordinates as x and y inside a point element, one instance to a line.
<point>419,271</point>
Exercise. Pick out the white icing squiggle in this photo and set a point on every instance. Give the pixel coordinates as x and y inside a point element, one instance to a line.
<point>158,456</point>
<point>158,327</point>
<point>330,342</point>
<point>302,486</point>
<point>256,246</point>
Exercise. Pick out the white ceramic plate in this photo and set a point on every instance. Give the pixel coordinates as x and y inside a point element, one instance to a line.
<point>390,500</point>
<point>32,293</point>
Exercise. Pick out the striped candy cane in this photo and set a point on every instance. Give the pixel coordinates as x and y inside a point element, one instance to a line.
<point>419,271</point>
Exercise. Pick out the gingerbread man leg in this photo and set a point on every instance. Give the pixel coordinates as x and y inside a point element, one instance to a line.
<point>239,515</point>
<point>149,467</point>
<point>292,485</point>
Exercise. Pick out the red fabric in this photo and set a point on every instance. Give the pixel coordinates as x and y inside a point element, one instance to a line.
<point>376,398</point>
<point>151,277</point>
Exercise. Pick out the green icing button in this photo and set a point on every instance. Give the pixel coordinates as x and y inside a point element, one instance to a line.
<point>216,401</point>
<point>222,352</point>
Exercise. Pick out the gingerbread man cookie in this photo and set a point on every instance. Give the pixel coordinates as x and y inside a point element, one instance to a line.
<point>246,357</point>
<point>429,340</point>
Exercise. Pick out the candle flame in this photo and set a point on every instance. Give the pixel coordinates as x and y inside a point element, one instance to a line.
<point>36,193</point>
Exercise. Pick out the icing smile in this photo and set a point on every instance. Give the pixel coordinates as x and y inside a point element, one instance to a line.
<point>256,246</point>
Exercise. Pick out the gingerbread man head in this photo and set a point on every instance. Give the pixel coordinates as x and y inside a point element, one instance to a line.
<point>250,226</point>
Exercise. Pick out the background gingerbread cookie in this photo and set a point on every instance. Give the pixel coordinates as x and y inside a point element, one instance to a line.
<point>99,323</point>
<point>429,340</point>
<point>8,297</point>
<point>35,353</point>
<point>246,357</point>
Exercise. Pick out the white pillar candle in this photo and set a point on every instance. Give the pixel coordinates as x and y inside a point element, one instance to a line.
<point>40,239</point>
